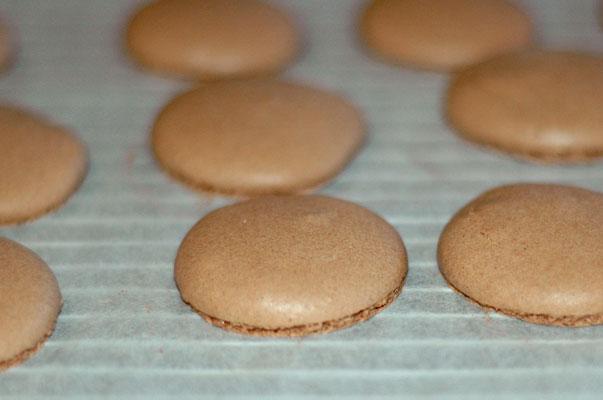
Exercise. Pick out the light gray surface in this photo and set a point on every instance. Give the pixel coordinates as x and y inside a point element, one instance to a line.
<point>124,331</point>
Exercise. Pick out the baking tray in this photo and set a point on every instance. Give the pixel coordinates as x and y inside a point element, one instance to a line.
<point>125,333</point>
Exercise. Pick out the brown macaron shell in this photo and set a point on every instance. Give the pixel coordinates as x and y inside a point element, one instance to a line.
<point>541,106</point>
<point>531,251</point>
<point>256,137</point>
<point>290,266</point>
<point>443,34</point>
<point>41,165</point>
<point>30,302</point>
<point>212,39</point>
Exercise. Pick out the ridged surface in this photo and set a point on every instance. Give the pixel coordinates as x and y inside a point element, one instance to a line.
<point>124,331</point>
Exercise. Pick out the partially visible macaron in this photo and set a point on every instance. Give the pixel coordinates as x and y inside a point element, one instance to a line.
<point>530,251</point>
<point>212,39</point>
<point>443,34</point>
<point>290,266</point>
<point>41,165</point>
<point>6,47</point>
<point>540,105</point>
<point>30,302</point>
<point>256,137</point>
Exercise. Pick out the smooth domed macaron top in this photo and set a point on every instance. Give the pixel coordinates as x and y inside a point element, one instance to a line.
<point>444,34</point>
<point>278,262</point>
<point>212,39</point>
<point>40,165</point>
<point>30,300</point>
<point>529,249</point>
<point>545,104</point>
<point>256,137</point>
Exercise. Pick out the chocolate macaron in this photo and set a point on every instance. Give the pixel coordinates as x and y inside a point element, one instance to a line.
<point>212,39</point>
<point>531,251</point>
<point>443,34</point>
<point>256,137</point>
<point>542,105</point>
<point>290,266</point>
<point>41,165</point>
<point>30,302</point>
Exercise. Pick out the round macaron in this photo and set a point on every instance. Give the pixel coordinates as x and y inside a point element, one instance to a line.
<point>256,137</point>
<point>41,165</point>
<point>6,47</point>
<point>544,105</point>
<point>531,251</point>
<point>290,266</point>
<point>443,34</point>
<point>212,39</point>
<point>30,302</point>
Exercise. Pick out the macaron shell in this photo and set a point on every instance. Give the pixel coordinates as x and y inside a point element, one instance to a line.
<point>543,105</point>
<point>316,328</point>
<point>444,34</point>
<point>531,251</point>
<point>289,262</point>
<point>41,165</point>
<point>212,39</point>
<point>30,302</point>
<point>256,137</point>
